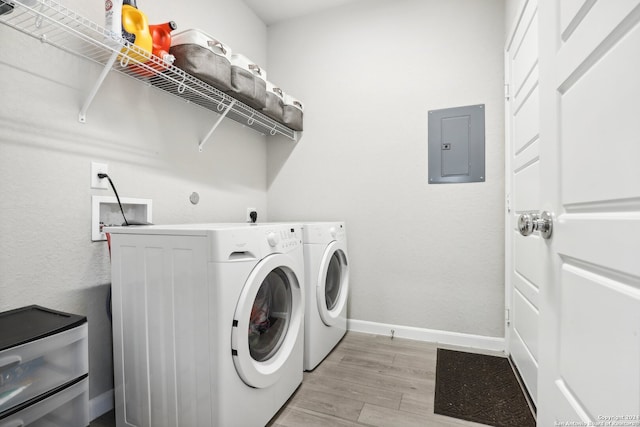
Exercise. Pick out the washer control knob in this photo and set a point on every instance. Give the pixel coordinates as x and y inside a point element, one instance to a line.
<point>272,239</point>
<point>333,232</point>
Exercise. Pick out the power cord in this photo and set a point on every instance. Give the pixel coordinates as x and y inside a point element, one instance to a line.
<point>113,187</point>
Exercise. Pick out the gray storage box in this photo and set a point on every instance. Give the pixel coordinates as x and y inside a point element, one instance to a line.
<point>202,56</point>
<point>293,113</point>
<point>248,82</point>
<point>275,103</point>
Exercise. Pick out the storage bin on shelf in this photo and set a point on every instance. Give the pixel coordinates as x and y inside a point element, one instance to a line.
<point>293,112</point>
<point>274,103</point>
<point>5,8</point>
<point>248,81</point>
<point>202,56</point>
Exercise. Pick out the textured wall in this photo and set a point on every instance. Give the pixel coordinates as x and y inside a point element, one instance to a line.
<point>429,256</point>
<point>149,141</point>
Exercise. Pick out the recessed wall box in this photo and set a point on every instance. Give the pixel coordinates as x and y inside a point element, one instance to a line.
<point>105,211</point>
<point>456,145</point>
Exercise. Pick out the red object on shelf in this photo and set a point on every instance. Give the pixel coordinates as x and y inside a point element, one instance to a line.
<point>161,35</point>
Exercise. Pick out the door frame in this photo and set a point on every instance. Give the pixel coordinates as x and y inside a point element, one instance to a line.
<point>521,23</point>
<point>508,244</point>
<point>508,180</point>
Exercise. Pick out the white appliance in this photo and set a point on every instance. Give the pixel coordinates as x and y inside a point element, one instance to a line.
<point>207,323</point>
<point>327,288</point>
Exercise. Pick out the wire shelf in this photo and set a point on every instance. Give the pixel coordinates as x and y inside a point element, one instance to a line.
<point>55,24</point>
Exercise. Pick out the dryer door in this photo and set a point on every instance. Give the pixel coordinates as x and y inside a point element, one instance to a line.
<point>267,320</point>
<point>333,283</point>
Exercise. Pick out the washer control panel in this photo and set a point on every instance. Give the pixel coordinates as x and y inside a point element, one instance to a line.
<point>284,238</point>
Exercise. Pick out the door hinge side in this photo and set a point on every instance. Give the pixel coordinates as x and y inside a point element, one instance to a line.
<point>506,91</point>
<point>507,316</point>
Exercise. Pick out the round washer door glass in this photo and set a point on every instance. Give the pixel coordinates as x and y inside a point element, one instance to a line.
<point>333,282</point>
<point>270,316</point>
<point>268,321</point>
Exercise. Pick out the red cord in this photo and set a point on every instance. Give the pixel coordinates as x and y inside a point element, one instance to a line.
<point>109,243</point>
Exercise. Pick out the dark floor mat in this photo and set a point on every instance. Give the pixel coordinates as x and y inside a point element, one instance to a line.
<point>480,388</point>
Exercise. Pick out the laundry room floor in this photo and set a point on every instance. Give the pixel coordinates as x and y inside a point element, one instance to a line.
<point>370,380</point>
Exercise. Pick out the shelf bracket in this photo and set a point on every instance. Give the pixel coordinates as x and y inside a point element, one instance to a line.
<point>82,117</point>
<point>215,125</point>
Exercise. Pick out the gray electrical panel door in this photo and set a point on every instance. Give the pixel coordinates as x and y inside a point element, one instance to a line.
<point>456,145</point>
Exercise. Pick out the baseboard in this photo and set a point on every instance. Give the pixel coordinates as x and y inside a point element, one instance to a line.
<point>100,404</point>
<point>429,335</point>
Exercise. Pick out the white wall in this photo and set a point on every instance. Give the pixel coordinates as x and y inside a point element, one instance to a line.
<point>148,139</point>
<point>428,256</point>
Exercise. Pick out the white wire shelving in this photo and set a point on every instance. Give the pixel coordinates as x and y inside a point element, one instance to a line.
<point>52,23</point>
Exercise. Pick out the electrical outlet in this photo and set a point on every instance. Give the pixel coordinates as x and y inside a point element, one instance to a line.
<point>97,168</point>
<point>249,210</point>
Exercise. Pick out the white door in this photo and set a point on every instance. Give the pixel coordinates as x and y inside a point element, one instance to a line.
<point>266,322</point>
<point>589,338</point>
<point>523,270</point>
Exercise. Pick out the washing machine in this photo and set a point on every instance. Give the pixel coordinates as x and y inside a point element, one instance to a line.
<point>207,323</point>
<point>327,288</point>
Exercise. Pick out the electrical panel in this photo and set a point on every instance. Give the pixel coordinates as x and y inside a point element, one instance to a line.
<point>456,145</point>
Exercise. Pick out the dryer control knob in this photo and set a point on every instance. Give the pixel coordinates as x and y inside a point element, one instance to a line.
<point>333,231</point>
<point>272,239</point>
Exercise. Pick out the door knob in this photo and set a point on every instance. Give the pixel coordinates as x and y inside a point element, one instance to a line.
<point>530,222</point>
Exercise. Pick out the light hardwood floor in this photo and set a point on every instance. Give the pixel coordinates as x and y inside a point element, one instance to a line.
<point>369,380</point>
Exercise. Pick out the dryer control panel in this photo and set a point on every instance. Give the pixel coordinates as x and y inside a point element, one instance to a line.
<point>323,233</point>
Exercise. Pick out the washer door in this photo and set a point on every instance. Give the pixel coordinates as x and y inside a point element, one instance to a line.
<point>333,283</point>
<point>267,320</point>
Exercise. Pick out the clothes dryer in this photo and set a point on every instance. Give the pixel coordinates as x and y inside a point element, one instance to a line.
<point>327,289</point>
<point>207,323</point>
